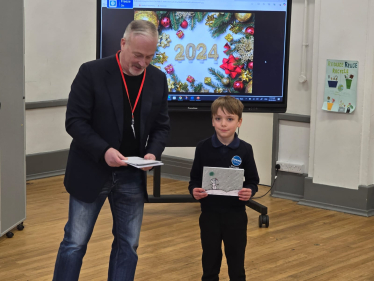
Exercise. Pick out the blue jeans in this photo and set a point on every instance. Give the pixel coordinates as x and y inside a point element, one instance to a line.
<point>126,197</point>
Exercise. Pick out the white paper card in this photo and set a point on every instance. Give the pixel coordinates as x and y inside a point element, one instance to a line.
<point>141,162</point>
<point>222,181</point>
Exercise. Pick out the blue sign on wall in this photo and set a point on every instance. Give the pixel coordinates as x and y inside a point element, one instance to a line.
<point>120,4</point>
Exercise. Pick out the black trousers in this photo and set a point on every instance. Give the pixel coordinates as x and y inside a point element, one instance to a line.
<point>231,228</point>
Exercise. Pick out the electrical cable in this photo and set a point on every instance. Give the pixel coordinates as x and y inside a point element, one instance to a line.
<point>277,167</point>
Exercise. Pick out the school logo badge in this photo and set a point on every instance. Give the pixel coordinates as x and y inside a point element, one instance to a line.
<point>236,160</point>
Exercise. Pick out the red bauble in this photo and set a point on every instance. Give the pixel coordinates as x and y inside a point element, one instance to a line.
<point>238,85</point>
<point>250,30</point>
<point>184,24</point>
<point>250,65</point>
<point>165,22</point>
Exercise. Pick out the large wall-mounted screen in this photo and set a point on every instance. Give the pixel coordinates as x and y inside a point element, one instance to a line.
<point>210,48</point>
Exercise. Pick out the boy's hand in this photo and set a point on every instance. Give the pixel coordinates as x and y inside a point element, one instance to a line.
<point>245,194</point>
<point>199,193</point>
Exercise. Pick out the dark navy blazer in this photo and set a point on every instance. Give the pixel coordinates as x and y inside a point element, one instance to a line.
<point>94,119</point>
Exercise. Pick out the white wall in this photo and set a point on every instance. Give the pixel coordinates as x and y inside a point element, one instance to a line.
<point>339,150</point>
<point>59,37</point>
<point>45,130</point>
<point>299,94</point>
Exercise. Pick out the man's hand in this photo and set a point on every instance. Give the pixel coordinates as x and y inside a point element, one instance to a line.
<point>149,156</point>
<point>245,194</point>
<point>199,193</point>
<point>114,158</point>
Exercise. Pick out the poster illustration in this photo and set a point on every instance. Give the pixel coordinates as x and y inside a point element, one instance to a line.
<point>207,52</point>
<point>340,86</point>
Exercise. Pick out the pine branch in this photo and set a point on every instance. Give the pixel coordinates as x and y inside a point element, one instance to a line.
<point>174,78</point>
<point>227,17</point>
<point>218,21</point>
<point>243,24</point>
<point>218,75</point>
<point>184,87</point>
<point>212,85</point>
<point>156,60</point>
<point>234,42</point>
<point>219,30</point>
<point>193,22</point>
<point>173,20</point>
<point>232,48</point>
<point>199,16</point>
<point>161,14</point>
<point>239,62</point>
<point>179,22</point>
<point>198,88</point>
<point>229,52</point>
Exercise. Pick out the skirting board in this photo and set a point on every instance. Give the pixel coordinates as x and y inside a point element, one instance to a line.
<point>302,189</point>
<point>353,201</point>
<point>46,164</point>
<point>49,164</point>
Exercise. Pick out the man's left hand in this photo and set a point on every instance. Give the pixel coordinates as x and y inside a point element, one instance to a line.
<point>149,156</point>
<point>245,194</point>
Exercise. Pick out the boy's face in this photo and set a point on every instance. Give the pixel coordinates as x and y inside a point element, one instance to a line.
<point>225,124</point>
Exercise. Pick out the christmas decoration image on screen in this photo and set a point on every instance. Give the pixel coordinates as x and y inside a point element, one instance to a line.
<point>206,52</point>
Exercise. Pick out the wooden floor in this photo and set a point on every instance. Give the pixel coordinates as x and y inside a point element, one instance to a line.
<point>302,243</point>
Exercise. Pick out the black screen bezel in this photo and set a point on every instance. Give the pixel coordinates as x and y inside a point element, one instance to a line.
<point>273,107</point>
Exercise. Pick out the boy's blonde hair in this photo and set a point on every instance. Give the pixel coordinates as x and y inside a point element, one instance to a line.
<point>228,104</point>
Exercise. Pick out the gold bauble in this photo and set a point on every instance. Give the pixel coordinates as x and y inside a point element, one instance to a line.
<point>145,15</point>
<point>243,17</point>
<point>248,89</point>
<point>225,81</point>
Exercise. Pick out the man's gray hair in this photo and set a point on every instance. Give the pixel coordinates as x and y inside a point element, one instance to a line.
<point>143,27</point>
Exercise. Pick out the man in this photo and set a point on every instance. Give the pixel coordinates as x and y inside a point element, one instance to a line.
<point>117,107</point>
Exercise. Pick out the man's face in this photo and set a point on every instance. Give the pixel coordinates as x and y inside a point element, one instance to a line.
<point>137,54</point>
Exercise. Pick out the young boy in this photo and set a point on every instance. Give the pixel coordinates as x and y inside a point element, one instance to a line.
<point>224,217</point>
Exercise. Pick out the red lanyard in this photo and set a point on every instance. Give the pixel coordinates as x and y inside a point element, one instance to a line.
<point>127,91</point>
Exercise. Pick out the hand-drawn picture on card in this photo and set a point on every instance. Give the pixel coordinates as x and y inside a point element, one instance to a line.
<point>340,86</point>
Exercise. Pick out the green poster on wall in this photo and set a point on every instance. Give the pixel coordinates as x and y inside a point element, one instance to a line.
<point>340,86</point>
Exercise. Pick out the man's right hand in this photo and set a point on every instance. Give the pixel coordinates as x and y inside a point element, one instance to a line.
<point>114,158</point>
<point>199,193</point>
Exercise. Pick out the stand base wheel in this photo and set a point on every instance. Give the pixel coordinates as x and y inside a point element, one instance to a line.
<point>20,226</point>
<point>9,234</point>
<point>263,219</point>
